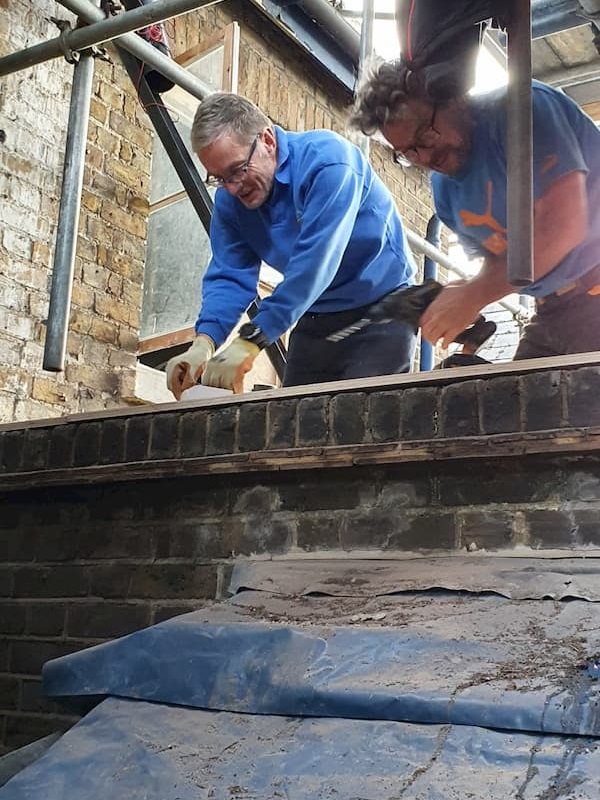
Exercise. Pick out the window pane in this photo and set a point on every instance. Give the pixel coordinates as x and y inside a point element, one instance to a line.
<point>178,254</point>
<point>164,181</point>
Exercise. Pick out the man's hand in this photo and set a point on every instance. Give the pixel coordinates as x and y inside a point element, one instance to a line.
<point>183,371</point>
<point>227,369</point>
<point>455,308</point>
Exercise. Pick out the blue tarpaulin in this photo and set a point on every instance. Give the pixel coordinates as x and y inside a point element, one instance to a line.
<point>417,694</point>
<point>132,750</point>
<point>397,674</point>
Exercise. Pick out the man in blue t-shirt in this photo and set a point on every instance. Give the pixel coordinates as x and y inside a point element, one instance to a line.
<point>463,142</point>
<point>309,205</point>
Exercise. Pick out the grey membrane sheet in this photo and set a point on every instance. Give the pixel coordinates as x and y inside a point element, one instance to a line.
<point>133,750</point>
<point>513,577</point>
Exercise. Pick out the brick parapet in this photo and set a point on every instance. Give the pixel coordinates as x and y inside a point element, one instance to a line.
<point>98,557</point>
<point>391,419</point>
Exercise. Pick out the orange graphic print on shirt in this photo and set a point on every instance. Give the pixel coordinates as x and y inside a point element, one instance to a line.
<point>495,242</point>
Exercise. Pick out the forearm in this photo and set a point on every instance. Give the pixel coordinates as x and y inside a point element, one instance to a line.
<point>491,283</point>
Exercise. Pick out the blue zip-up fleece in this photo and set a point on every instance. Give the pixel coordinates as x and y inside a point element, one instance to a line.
<point>473,203</point>
<point>330,227</point>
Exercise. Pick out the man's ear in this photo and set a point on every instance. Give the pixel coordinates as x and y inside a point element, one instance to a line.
<point>270,139</point>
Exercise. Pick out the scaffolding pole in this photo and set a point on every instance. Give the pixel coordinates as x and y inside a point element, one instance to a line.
<point>108,29</point>
<point>68,215</point>
<point>519,146</point>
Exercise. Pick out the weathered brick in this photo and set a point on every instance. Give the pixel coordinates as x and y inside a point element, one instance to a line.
<point>264,535</point>
<point>419,413</point>
<point>338,491</point>
<point>86,444</point>
<point>163,436</point>
<point>112,441</point>
<point>481,484</point>
<point>9,692</point>
<point>117,539</point>
<point>12,450</point>
<point>586,523</point>
<point>459,415</point>
<point>45,619</point>
<point>363,530</point>
<point>28,657</point>
<point>6,581</point>
<point>487,530</point>
<point>110,580</point>
<point>549,528</point>
<point>281,426</point>
<point>541,400</point>
<point>173,580</point>
<point>18,544</point>
<point>60,453</point>
<point>383,416</point>
<point>220,433</point>
<point>348,418</point>
<point>313,426</point>
<point>106,619</point>
<point>56,544</point>
<point>500,409</point>
<point>5,648</point>
<point>583,393</point>
<point>35,449</point>
<point>192,434</point>
<point>426,531</point>
<point>12,618</point>
<point>394,494</point>
<point>60,580</point>
<point>137,437</point>
<point>252,427</point>
<point>32,698</point>
<point>320,531</point>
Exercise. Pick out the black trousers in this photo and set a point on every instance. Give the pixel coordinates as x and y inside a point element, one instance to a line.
<point>378,349</point>
<point>562,325</point>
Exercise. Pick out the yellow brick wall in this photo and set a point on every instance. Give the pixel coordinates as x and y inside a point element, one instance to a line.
<point>109,264</point>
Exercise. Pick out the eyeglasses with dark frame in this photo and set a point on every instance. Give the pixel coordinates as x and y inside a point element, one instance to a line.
<point>238,174</point>
<point>425,139</point>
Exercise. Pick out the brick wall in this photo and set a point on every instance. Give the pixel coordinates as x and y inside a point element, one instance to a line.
<point>109,265</point>
<point>112,523</point>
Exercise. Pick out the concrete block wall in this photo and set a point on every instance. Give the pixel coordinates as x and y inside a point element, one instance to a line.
<point>109,524</point>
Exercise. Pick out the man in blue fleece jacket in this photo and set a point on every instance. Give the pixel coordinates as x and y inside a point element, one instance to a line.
<point>463,143</point>
<point>309,205</point>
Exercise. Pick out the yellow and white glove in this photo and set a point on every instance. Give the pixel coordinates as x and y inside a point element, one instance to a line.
<point>183,371</point>
<point>226,370</point>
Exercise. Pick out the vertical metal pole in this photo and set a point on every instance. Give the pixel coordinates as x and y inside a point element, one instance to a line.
<point>68,217</point>
<point>519,146</point>
<point>366,51</point>
<point>434,227</point>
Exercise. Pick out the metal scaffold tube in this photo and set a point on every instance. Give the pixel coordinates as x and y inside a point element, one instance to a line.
<point>68,217</point>
<point>427,249</point>
<point>519,146</point>
<point>366,51</point>
<point>110,29</point>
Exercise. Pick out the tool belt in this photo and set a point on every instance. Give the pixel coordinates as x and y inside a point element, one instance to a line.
<point>586,284</point>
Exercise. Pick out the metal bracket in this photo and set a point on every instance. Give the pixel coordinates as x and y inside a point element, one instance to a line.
<point>65,28</point>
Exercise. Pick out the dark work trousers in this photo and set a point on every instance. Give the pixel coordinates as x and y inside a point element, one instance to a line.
<point>562,325</point>
<point>378,349</point>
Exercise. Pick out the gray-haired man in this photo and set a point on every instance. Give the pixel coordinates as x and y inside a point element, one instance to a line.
<point>309,205</point>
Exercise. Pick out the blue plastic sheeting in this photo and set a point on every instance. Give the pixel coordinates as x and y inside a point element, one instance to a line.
<point>360,673</point>
<point>130,750</point>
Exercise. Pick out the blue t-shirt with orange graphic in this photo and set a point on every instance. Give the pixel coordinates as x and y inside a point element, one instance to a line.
<point>473,203</point>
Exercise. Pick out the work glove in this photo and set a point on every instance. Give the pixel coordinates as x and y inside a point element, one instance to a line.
<point>226,370</point>
<point>184,370</point>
